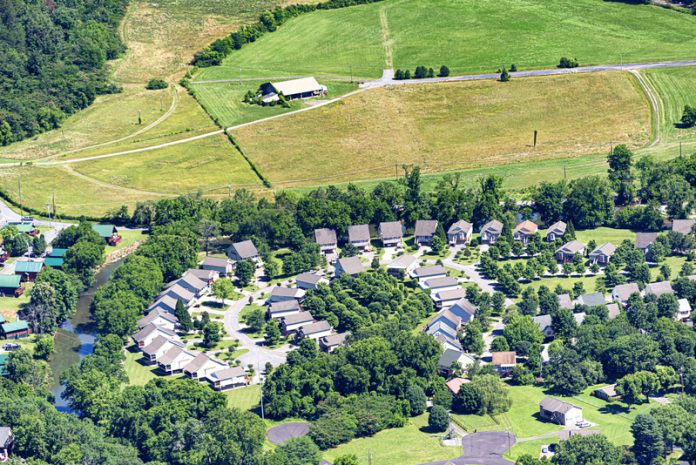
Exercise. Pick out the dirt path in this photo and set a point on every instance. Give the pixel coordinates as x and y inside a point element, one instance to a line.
<point>386,39</point>
<point>106,185</point>
<point>655,104</point>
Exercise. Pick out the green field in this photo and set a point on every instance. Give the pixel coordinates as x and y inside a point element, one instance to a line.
<point>244,398</point>
<point>676,87</point>
<point>469,36</point>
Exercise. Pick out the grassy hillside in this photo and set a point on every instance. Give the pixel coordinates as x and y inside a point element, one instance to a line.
<point>676,87</point>
<point>470,36</point>
<point>448,126</point>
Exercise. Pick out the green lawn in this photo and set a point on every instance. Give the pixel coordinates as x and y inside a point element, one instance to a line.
<point>244,398</point>
<point>409,445</point>
<point>128,239</point>
<point>138,374</point>
<point>676,87</point>
<point>469,36</point>
<point>602,235</point>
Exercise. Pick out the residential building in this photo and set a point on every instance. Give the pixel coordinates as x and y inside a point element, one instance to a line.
<point>391,234</point>
<point>315,330</point>
<point>108,232</point>
<point>301,88</point>
<point>464,309</point>
<point>221,266</point>
<point>683,226</point>
<point>453,358</point>
<point>282,293</point>
<point>460,232</point>
<point>15,330</point>
<point>227,378</point>
<point>166,303</point>
<point>3,364</point>
<point>524,231</point>
<point>544,324</point>
<point>622,292</point>
<point>559,412</point>
<point>504,362</point>
<point>445,317</point>
<point>402,266</point>
<point>448,342</point>
<point>684,312</point>
<point>594,299</point>
<point>291,323</point>
<point>359,236</point>
<point>439,328</point>
<point>659,288</point>
<point>455,384</point>
<point>27,270</point>
<point>491,231</point>
<point>556,231</point>
<point>202,365</point>
<point>564,301</point>
<point>207,276</point>
<point>429,272</point>
<point>310,280</point>
<point>602,254</point>
<point>644,240</point>
<point>425,231</point>
<point>245,250</point>
<point>192,284</point>
<point>159,317</point>
<point>569,250</point>
<point>351,266</point>
<point>146,335</point>
<point>326,239</point>
<point>175,359</point>
<point>179,292</point>
<point>446,299</point>
<point>330,343</point>
<point>158,347</point>
<point>284,308</point>
<point>6,442</point>
<point>613,311</point>
<point>446,283</point>
<point>606,393</point>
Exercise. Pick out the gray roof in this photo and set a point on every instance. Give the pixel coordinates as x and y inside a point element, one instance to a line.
<point>571,248</point>
<point>438,324</point>
<point>644,239</point>
<point>425,228</point>
<point>351,265</point>
<point>608,390</point>
<point>542,321</point>
<point>465,305</point>
<point>199,361</point>
<point>192,281</point>
<point>425,271</point>
<point>166,301</point>
<point>614,310</point>
<point>281,291</point>
<point>552,404</point>
<point>558,228</point>
<point>452,294</point>
<point>659,288</point>
<point>317,327</point>
<point>445,281</point>
<point>493,227</point>
<point>203,275</point>
<point>593,299</point>
<point>5,436</point>
<point>149,329</point>
<point>154,314</point>
<point>443,339</point>
<point>159,342</point>
<point>245,249</point>
<point>228,373</point>
<point>302,317</point>
<point>215,261</point>
<point>334,339</point>
<point>391,229</point>
<point>284,306</point>
<point>607,249</point>
<point>565,301</point>
<point>308,277</point>
<point>359,233</point>
<point>171,355</point>
<point>402,262</point>
<point>179,291</point>
<point>683,226</point>
<point>448,357</point>
<point>624,291</point>
<point>325,236</point>
<point>460,226</point>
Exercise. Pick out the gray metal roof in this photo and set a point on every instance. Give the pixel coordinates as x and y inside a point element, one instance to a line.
<point>624,291</point>
<point>425,271</point>
<point>317,327</point>
<point>551,404</point>
<point>571,248</point>
<point>683,226</point>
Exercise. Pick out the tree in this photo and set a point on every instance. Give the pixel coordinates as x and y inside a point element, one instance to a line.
<point>211,334</point>
<point>223,289</point>
<point>562,374</point>
<point>256,320</point>
<point>589,203</point>
<point>688,118</point>
<point>622,180</point>
<point>566,62</point>
<point>273,334</point>
<point>438,420</point>
<point>499,344</point>
<point>185,322</point>
<point>563,323</point>
<point>244,272</point>
<point>504,75</point>
<point>486,394</point>
<point>529,303</point>
<point>416,399</point>
<point>44,347</point>
<point>349,459</point>
<point>208,229</point>
<point>299,451</point>
<point>521,333</point>
<point>594,449</point>
<point>38,245</point>
<point>444,71</point>
<point>648,444</point>
<point>473,338</point>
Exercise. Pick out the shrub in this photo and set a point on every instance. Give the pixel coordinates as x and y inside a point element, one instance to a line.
<point>438,420</point>
<point>154,84</point>
<point>513,68</point>
<point>504,75</point>
<point>568,62</point>
<point>688,118</point>
<point>444,71</point>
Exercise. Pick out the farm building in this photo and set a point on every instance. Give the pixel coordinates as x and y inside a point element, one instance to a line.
<point>108,232</point>
<point>559,412</point>
<point>15,330</point>
<point>359,236</point>
<point>460,232</point>
<point>302,88</point>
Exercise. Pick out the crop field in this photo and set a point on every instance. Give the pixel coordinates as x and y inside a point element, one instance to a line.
<point>469,36</point>
<point>447,126</point>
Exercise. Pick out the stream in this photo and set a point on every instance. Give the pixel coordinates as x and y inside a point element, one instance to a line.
<point>75,338</point>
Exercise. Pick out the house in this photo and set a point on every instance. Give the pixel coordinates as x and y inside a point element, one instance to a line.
<point>175,359</point>
<point>448,342</point>
<point>556,231</point>
<point>282,293</point>
<point>178,292</point>
<point>391,234</point>
<point>359,236</point>
<point>11,285</point>
<point>291,323</point>
<point>15,330</point>
<point>429,272</point>
<point>208,276</point>
<point>594,299</point>
<point>569,250</point>
<point>57,252</point>
<point>202,365</point>
<point>464,309</point>
<point>439,328</point>
<point>451,359</point>
<point>606,393</point>
<point>309,280</point>
<point>227,378</point>
<point>543,322</point>
<point>683,226</point>
<point>158,347</point>
<point>491,231</point>
<point>684,311</point>
<point>221,266</point>
<point>191,283</point>
<point>159,317</point>
<point>326,239</point>
<point>503,362</point>
<point>425,231</point>
<point>644,240</point>
<point>55,258</point>
<point>145,336</point>
<point>27,269</point>
<point>460,232</point>
<point>602,254</point>
<point>564,301</point>
<point>622,292</point>
<point>293,89</point>
<point>446,299</point>
<point>446,283</point>
<point>350,265</point>
<point>329,343</point>
<point>166,303</point>
<point>284,308</point>
<point>455,384</point>
<point>659,288</point>
<point>613,311</point>
<point>108,232</point>
<point>445,317</point>
<point>524,231</point>
<point>315,330</point>
<point>6,441</point>
<point>559,412</point>
<point>245,250</point>
<point>402,266</point>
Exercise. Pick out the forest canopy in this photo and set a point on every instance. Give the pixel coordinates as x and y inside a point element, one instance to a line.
<point>52,60</point>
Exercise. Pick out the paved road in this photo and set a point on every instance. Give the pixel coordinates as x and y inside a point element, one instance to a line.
<point>483,448</point>
<point>472,272</point>
<point>7,214</point>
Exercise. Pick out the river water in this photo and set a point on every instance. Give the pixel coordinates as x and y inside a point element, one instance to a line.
<point>75,338</point>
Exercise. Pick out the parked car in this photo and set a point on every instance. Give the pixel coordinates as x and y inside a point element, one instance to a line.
<point>27,219</point>
<point>10,346</point>
<point>583,424</point>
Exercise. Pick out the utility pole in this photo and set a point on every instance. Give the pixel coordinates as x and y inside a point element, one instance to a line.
<point>535,138</point>
<point>258,368</point>
<point>161,100</point>
<point>21,207</point>
<point>53,201</point>
<point>680,149</point>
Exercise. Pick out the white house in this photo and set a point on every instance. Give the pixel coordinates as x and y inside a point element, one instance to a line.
<point>202,365</point>
<point>175,359</point>
<point>460,232</point>
<point>446,299</point>
<point>310,280</point>
<point>282,294</point>
<point>227,378</point>
<point>291,323</point>
<point>445,283</point>
<point>146,335</point>
<point>559,412</point>
<point>315,330</point>
<point>158,347</point>
<point>159,317</point>
<point>684,312</point>
<point>284,308</point>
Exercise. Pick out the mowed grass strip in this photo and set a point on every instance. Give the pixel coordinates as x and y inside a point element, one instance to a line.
<point>448,126</point>
<point>469,36</point>
<point>675,87</point>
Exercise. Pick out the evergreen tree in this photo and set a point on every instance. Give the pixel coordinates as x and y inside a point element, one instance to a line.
<point>185,322</point>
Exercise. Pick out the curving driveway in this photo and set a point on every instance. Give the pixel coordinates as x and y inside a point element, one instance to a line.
<point>482,448</point>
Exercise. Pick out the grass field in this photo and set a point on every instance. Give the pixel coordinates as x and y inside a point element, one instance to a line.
<point>469,36</point>
<point>138,374</point>
<point>676,87</point>
<point>244,398</point>
<point>447,126</point>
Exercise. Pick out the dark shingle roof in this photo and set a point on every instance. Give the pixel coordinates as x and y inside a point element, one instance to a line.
<point>460,225</point>
<point>644,239</point>
<point>552,404</point>
<point>425,228</point>
<point>359,233</point>
<point>391,229</point>
<point>325,236</point>
<point>493,227</point>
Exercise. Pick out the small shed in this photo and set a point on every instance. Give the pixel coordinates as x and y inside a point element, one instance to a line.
<point>108,232</point>
<point>16,330</point>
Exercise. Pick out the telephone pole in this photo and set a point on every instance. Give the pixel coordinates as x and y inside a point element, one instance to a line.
<point>21,207</point>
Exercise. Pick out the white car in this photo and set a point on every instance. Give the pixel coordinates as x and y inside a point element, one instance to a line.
<point>583,424</point>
